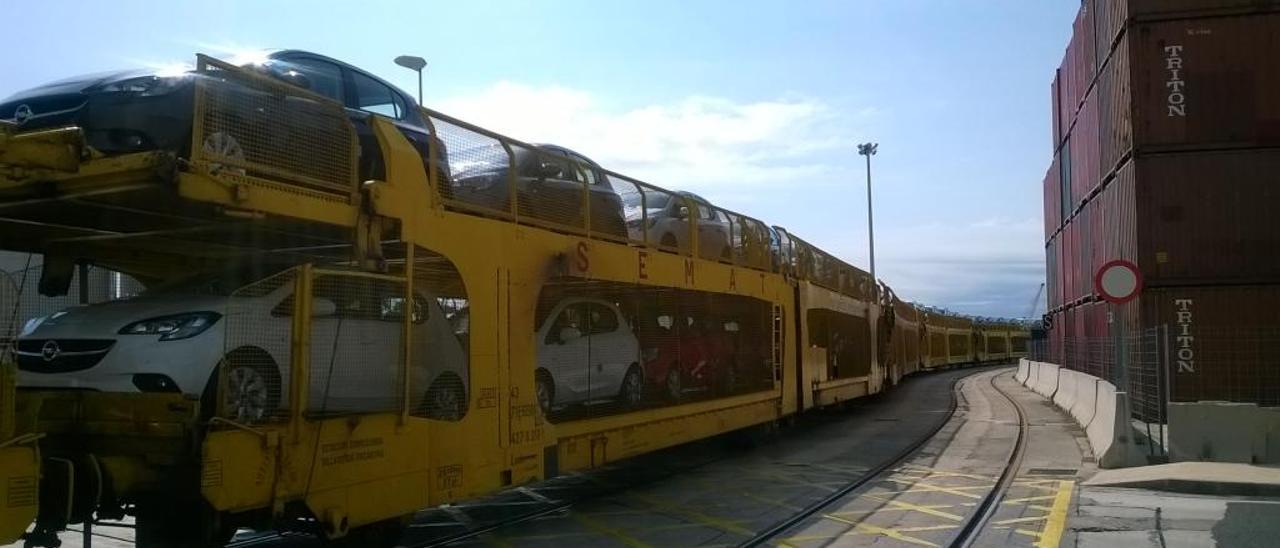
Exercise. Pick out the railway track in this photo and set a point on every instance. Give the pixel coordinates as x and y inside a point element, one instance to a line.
<point>972,527</point>
<point>759,538</point>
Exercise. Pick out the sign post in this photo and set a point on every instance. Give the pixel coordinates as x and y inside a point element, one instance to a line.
<point>1118,282</point>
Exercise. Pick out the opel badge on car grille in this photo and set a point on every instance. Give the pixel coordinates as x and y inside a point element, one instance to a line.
<point>50,351</point>
<point>22,114</point>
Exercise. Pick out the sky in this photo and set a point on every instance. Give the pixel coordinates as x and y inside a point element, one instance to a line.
<point>757,106</point>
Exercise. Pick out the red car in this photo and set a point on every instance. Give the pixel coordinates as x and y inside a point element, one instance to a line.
<point>695,355</point>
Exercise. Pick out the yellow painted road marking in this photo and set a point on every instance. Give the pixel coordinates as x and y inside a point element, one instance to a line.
<point>882,531</point>
<point>924,509</point>
<point>1020,520</point>
<point>958,491</point>
<point>710,521</point>
<point>616,533</point>
<point>1035,534</point>
<point>1051,535</point>
<point>1029,499</point>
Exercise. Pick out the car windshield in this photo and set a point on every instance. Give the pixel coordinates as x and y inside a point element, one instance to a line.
<point>653,200</point>
<point>483,159</point>
<point>222,282</point>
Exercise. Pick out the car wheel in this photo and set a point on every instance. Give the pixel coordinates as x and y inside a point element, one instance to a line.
<point>674,384</point>
<point>252,388</point>
<point>669,240</point>
<point>632,391</point>
<point>221,144</point>
<point>544,390</point>
<point>447,398</point>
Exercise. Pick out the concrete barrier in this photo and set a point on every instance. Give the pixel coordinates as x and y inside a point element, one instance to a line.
<point>1086,399</point>
<point>1021,376</point>
<point>1101,410</point>
<point>1046,380</point>
<point>1222,431</point>
<point>1065,397</point>
<point>1110,432</point>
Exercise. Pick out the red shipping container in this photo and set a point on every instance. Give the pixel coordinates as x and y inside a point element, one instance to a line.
<point>1208,217</point>
<point>1055,97</point>
<point>1115,123</point>
<point>1052,199</point>
<point>1067,90</point>
<point>1223,341</point>
<point>1111,16</point>
<point>1084,152</point>
<point>1206,83</point>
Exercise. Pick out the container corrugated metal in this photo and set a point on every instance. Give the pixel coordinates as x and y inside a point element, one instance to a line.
<point>1055,98</point>
<point>1084,151</point>
<point>1209,217</point>
<point>1115,100</point>
<point>1116,201</point>
<point>1065,197</point>
<point>1224,342</point>
<point>1206,83</point>
<point>1067,90</point>
<point>1111,16</point>
<point>1052,198</point>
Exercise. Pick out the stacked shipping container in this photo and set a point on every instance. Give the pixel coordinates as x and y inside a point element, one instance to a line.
<point>1166,117</point>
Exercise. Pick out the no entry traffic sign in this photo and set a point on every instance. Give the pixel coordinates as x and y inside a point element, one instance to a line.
<point>1118,281</point>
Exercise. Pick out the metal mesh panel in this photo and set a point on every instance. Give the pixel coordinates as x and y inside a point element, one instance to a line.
<point>715,232</point>
<point>634,213</point>
<point>257,350</point>
<point>20,299</point>
<point>1240,364</point>
<point>439,373</point>
<point>480,166</point>
<point>357,342</point>
<point>255,125</point>
<point>595,338</point>
<point>667,217</point>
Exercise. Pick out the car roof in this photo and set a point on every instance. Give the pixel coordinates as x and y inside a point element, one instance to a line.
<point>564,150</point>
<point>278,53</point>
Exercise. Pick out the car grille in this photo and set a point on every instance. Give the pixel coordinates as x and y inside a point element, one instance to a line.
<point>40,356</point>
<point>43,110</point>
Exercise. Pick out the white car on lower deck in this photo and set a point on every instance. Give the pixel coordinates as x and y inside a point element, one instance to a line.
<point>587,352</point>
<point>173,340</point>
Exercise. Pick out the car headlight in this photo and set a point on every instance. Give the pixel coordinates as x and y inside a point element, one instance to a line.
<point>31,326</point>
<point>174,327</point>
<point>144,86</point>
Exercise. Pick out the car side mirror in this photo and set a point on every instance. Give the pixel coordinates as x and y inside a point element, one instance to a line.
<point>568,334</point>
<point>323,307</point>
<point>294,78</point>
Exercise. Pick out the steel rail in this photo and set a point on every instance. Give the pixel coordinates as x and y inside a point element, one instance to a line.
<point>982,514</point>
<point>764,536</point>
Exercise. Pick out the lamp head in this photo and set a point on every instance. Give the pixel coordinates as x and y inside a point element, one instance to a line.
<point>411,62</point>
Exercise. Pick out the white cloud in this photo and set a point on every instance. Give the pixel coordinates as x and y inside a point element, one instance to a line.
<point>693,142</point>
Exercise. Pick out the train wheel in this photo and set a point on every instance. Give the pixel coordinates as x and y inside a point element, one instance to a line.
<point>381,534</point>
<point>165,523</point>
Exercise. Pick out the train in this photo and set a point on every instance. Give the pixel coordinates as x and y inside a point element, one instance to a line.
<point>424,317</point>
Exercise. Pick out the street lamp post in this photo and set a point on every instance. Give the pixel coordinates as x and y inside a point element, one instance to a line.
<point>415,64</point>
<point>869,150</point>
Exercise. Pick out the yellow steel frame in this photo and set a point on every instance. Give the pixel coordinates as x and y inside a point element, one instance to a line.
<point>19,465</point>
